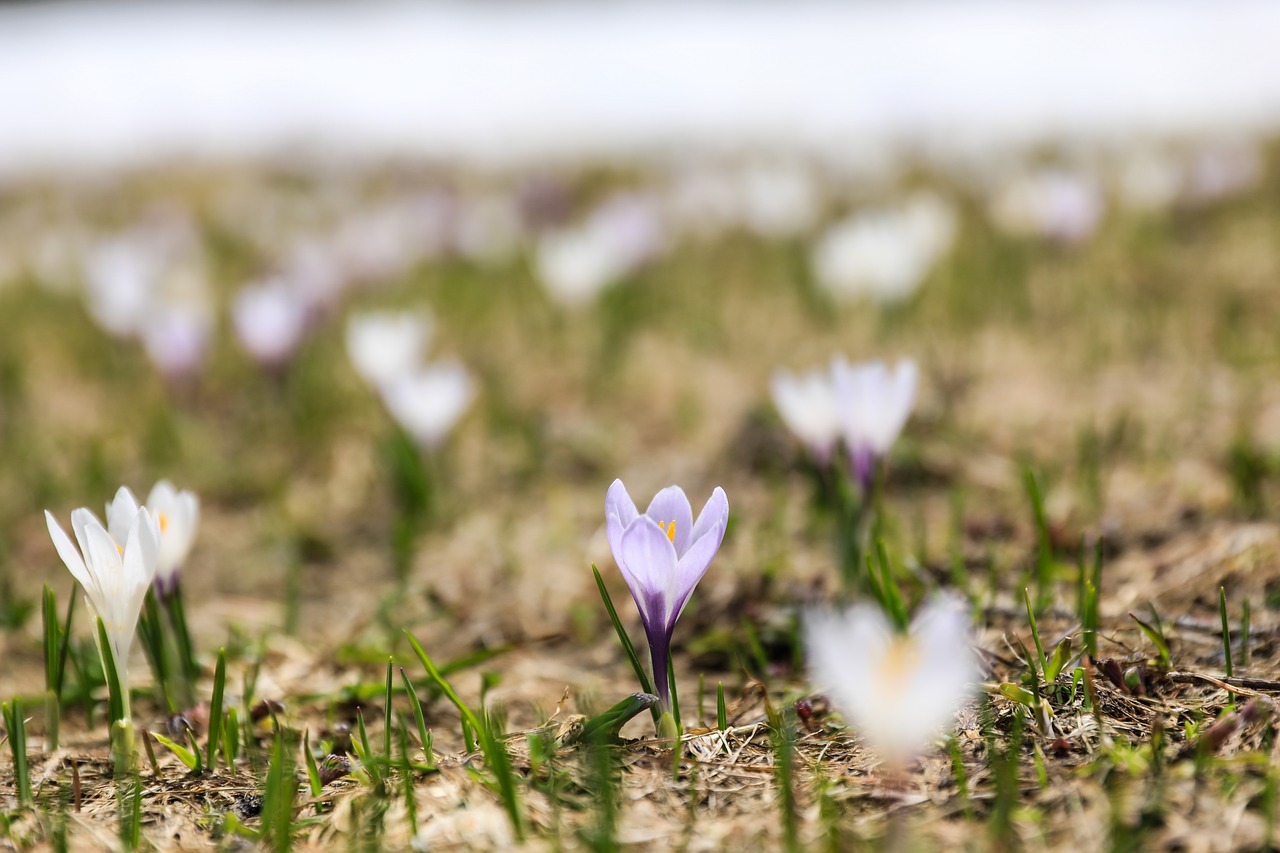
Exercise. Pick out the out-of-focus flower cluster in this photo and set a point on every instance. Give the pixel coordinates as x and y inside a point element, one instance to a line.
<point>271,262</point>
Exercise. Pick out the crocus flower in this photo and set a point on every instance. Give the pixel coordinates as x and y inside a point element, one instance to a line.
<point>884,253</point>
<point>662,554</point>
<point>176,337</point>
<point>897,690</point>
<point>176,513</point>
<point>575,264</point>
<point>808,406</point>
<point>874,403</point>
<point>430,400</point>
<point>385,345</point>
<point>115,578</point>
<point>1055,204</point>
<point>270,319</point>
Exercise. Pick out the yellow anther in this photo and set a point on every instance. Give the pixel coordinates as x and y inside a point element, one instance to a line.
<point>900,660</point>
<point>162,520</point>
<point>669,528</point>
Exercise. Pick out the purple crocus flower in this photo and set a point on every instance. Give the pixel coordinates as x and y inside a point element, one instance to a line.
<point>662,555</point>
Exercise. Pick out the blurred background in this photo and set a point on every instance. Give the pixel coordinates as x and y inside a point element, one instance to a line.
<point>92,84</point>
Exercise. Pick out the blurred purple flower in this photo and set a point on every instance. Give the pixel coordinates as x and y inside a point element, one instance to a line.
<point>662,554</point>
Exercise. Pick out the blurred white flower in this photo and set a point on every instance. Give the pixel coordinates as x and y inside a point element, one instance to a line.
<point>125,276</point>
<point>808,406</point>
<point>874,403</point>
<point>269,319</point>
<point>120,277</point>
<point>884,254</point>
<point>779,200</point>
<point>897,690</point>
<point>177,514</point>
<point>620,235</point>
<point>385,345</point>
<point>703,201</point>
<point>1222,168</point>
<point>115,577</point>
<point>1053,204</point>
<point>576,264</point>
<point>1149,180</point>
<point>428,402</point>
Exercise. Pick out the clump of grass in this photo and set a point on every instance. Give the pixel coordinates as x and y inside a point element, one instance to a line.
<point>482,725</point>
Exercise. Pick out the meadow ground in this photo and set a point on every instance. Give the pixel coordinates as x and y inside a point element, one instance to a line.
<point>1134,377</point>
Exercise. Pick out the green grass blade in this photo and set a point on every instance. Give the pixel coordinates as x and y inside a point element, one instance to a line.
<point>1042,665</point>
<point>231,736</point>
<point>722,714</point>
<point>215,707</point>
<point>446,688</point>
<point>1226,629</point>
<point>185,755</point>
<point>313,771</point>
<point>419,719</point>
<point>51,638</point>
<point>117,702</point>
<point>1157,639</point>
<point>16,725</point>
<point>646,685</point>
<point>1044,550</point>
<point>386,715</point>
<point>367,759</point>
<point>499,761</point>
<point>65,646</point>
<point>278,796</point>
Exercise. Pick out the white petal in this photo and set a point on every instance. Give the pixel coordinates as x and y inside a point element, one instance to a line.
<point>67,551</point>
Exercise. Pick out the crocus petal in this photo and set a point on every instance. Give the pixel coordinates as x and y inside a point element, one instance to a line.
<point>144,540</point>
<point>693,565</point>
<point>714,511</point>
<point>843,651</point>
<point>120,514</point>
<point>82,519</point>
<point>177,514</point>
<point>67,551</point>
<point>670,506</point>
<point>107,567</point>
<point>648,564</point>
<point>619,512</point>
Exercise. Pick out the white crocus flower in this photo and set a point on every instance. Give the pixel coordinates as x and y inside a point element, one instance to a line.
<point>576,264</point>
<point>779,200</point>
<point>428,402</point>
<point>115,578</point>
<point>808,406</point>
<point>874,401</point>
<point>897,690</point>
<point>385,345</point>
<point>884,254</point>
<point>177,513</point>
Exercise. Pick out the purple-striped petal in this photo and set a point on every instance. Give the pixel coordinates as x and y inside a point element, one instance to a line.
<point>668,507</point>
<point>618,505</point>
<point>692,566</point>
<point>648,565</point>
<point>715,511</point>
